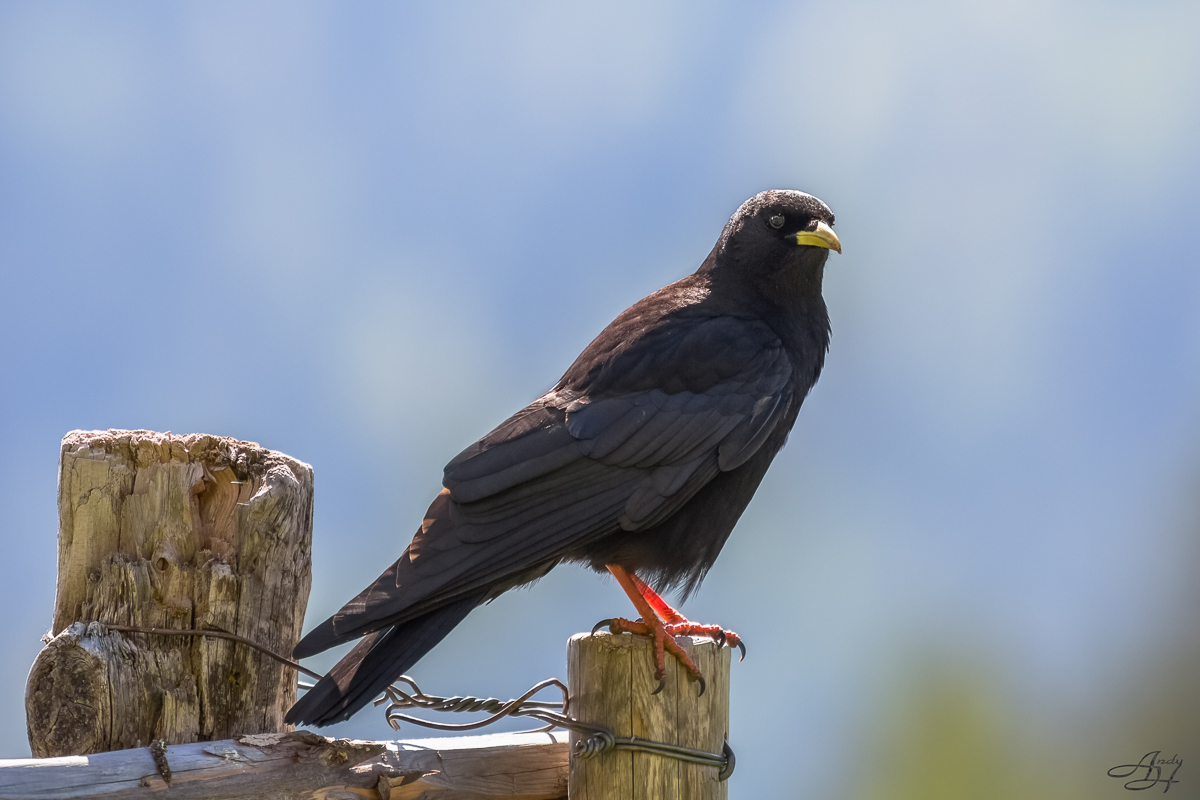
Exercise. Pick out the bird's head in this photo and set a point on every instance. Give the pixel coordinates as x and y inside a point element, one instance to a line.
<point>776,231</point>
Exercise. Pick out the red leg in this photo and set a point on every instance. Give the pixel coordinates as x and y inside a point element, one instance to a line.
<point>679,625</point>
<point>656,602</point>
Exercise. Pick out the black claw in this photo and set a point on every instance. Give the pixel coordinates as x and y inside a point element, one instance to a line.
<point>742,647</point>
<point>702,685</point>
<point>601,624</point>
<point>719,638</point>
<point>661,683</point>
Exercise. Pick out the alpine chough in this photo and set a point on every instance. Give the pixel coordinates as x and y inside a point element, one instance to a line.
<point>639,461</point>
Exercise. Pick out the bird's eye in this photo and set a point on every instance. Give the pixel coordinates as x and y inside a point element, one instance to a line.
<point>776,221</point>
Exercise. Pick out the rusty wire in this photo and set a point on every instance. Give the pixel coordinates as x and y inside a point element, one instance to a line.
<point>593,739</point>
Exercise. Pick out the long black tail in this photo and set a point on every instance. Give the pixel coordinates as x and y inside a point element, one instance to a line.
<point>375,662</point>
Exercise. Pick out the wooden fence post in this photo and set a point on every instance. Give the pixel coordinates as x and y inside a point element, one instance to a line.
<point>178,532</point>
<point>611,679</point>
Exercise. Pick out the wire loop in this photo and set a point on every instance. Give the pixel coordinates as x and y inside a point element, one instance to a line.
<point>591,742</point>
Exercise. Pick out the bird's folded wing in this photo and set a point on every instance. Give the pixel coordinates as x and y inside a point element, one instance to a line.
<point>579,464</point>
<point>682,403</point>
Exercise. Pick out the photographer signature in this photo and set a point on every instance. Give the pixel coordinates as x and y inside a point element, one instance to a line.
<point>1155,770</point>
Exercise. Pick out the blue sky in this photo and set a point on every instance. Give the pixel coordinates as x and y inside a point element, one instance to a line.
<point>364,234</point>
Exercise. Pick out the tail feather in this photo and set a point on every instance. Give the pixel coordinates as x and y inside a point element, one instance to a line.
<point>377,660</point>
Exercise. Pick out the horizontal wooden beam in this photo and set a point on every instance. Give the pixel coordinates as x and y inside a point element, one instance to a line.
<point>514,766</point>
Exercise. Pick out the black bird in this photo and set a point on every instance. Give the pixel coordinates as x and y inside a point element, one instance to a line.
<point>639,460</point>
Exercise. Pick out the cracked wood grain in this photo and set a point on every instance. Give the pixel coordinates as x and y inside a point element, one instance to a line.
<point>178,532</point>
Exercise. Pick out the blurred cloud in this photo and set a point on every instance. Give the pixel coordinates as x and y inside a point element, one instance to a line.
<point>257,60</point>
<point>72,83</point>
<point>587,67</point>
<point>290,206</point>
<point>1118,84</point>
<point>411,350</point>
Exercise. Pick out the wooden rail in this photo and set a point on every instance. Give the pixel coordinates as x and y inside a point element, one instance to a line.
<point>520,766</point>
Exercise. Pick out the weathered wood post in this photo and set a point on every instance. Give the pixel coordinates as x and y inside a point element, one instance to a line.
<point>611,679</point>
<point>177,532</point>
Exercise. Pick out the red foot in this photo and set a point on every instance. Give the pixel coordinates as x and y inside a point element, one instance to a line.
<point>663,624</point>
<point>664,641</point>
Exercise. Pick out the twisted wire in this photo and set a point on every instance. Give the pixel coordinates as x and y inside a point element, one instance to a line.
<point>593,739</point>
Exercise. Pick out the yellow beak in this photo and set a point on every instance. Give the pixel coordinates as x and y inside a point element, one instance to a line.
<point>823,236</point>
